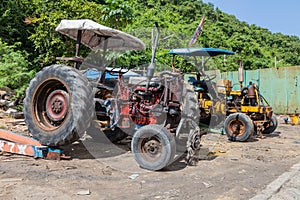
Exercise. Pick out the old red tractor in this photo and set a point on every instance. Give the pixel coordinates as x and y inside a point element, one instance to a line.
<point>159,112</point>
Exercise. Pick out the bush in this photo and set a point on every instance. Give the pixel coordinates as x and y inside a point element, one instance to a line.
<point>14,71</point>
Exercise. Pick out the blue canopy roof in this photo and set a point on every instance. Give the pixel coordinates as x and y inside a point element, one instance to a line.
<point>200,52</point>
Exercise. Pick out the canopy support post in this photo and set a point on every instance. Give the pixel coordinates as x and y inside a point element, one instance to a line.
<point>79,33</point>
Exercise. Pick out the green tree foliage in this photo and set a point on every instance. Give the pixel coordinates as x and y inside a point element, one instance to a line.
<point>256,46</point>
<point>13,68</point>
<point>31,25</point>
<point>49,44</point>
<point>12,24</point>
<point>117,12</point>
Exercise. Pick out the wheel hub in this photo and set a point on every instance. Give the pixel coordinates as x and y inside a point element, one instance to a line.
<point>152,147</point>
<point>236,127</point>
<point>57,105</point>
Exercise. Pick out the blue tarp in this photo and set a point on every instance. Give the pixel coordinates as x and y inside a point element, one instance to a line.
<point>94,74</point>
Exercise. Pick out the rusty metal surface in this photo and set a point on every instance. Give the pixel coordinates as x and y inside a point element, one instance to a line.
<point>23,145</point>
<point>17,138</point>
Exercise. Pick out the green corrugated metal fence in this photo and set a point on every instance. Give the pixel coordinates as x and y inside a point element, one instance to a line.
<point>281,87</point>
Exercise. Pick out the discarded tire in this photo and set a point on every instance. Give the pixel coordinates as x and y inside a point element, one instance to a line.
<point>58,106</point>
<point>271,127</point>
<point>153,147</point>
<point>238,127</point>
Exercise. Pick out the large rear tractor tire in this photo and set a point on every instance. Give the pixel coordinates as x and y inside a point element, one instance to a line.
<point>271,126</point>
<point>238,127</point>
<point>59,105</point>
<point>190,116</point>
<point>153,147</point>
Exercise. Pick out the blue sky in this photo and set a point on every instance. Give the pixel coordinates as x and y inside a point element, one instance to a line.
<point>276,15</point>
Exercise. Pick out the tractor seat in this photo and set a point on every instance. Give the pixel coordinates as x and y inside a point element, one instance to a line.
<point>194,81</point>
<point>196,84</point>
<point>198,89</point>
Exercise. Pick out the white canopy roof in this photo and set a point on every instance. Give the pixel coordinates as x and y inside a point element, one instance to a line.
<point>94,35</point>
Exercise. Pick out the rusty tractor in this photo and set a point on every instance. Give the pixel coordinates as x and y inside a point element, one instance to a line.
<point>158,112</point>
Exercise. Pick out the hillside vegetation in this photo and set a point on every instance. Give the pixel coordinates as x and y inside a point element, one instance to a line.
<point>28,28</point>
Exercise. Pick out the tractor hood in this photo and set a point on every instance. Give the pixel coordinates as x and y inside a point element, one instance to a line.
<point>97,36</point>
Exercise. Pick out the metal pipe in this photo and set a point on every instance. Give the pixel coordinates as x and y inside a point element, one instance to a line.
<point>79,34</point>
<point>151,68</point>
<point>241,74</point>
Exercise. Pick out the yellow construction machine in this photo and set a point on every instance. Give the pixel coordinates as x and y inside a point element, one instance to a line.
<point>241,113</point>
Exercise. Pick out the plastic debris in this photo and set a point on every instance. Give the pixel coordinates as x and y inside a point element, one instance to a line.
<point>133,176</point>
<point>84,192</point>
<point>207,185</point>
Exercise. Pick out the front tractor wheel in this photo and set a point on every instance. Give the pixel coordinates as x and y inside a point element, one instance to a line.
<point>271,126</point>
<point>238,127</point>
<point>153,147</point>
<point>58,106</point>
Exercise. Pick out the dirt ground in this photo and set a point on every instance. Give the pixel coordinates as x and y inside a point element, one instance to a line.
<point>99,170</point>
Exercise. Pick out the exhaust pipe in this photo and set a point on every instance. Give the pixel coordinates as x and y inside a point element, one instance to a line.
<point>151,67</point>
<point>241,73</point>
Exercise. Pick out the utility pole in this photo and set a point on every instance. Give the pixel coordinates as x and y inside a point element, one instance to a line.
<point>276,62</point>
